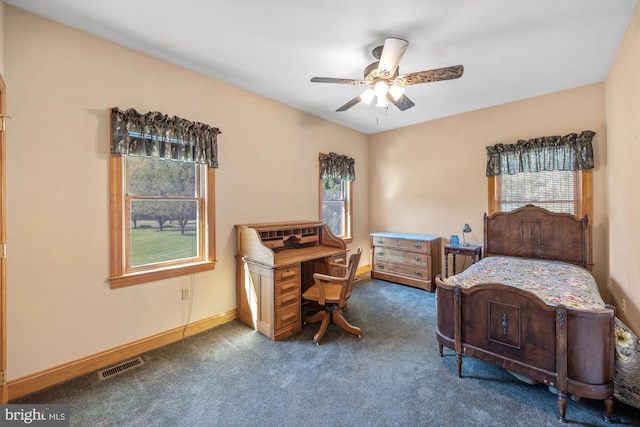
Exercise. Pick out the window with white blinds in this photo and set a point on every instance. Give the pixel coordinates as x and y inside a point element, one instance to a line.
<point>557,191</point>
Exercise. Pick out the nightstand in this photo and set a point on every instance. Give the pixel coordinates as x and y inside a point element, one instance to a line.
<point>473,251</point>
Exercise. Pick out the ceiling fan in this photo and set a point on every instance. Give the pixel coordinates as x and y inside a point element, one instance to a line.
<point>384,80</point>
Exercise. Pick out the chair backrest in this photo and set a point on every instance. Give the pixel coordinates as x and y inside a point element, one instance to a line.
<point>352,267</point>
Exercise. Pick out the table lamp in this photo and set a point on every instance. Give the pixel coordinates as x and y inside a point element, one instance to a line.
<point>465,229</point>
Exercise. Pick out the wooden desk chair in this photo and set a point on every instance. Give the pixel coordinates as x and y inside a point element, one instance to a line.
<point>332,293</point>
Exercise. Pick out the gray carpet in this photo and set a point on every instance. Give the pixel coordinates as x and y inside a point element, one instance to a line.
<point>392,376</point>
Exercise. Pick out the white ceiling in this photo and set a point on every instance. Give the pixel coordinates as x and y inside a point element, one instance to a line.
<point>511,49</point>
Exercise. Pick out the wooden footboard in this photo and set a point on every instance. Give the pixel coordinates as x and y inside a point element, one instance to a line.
<point>571,350</point>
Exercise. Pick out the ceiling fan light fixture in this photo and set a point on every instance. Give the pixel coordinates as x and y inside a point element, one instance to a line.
<point>382,102</point>
<point>384,79</point>
<point>396,91</point>
<point>381,88</point>
<point>367,96</point>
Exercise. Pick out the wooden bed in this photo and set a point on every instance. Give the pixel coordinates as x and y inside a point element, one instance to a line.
<point>568,348</point>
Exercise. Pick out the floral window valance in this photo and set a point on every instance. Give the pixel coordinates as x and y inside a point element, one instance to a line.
<point>157,135</point>
<point>548,153</point>
<point>334,165</point>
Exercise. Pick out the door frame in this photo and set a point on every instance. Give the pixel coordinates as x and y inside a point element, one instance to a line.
<point>4,395</point>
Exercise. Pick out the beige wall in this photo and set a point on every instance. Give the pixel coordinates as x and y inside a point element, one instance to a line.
<point>1,37</point>
<point>427,178</point>
<point>430,178</point>
<point>62,82</point>
<point>623,153</point>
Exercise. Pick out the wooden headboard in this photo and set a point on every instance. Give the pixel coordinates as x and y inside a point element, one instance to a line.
<point>534,232</point>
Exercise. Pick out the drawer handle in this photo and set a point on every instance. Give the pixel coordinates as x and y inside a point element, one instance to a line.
<point>288,274</point>
<point>380,253</point>
<point>287,317</point>
<point>417,273</point>
<point>418,259</point>
<point>380,241</point>
<point>417,246</point>
<point>289,286</point>
<point>288,298</point>
<point>381,266</point>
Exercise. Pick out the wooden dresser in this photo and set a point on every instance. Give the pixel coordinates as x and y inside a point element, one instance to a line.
<point>409,259</point>
<point>275,264</point>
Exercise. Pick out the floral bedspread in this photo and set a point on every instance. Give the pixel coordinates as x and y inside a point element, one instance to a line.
<point>626,378</point>
<point>554,282</point>
<point>573,286</point>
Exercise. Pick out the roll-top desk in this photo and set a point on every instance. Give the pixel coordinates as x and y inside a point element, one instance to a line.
<point>409,259</point>
<point>275,264</point>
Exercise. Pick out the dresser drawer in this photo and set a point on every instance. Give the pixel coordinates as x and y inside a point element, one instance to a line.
<point>287,287</point>
<point>405,258</point>
<point>383,254</point>
<point>287,316</point>
<point>287,273</point>
<point>287,298</point>
<point>406,244</point>
<point>403,270</point>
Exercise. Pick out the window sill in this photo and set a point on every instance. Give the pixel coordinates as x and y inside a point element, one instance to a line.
<point>159,274</point>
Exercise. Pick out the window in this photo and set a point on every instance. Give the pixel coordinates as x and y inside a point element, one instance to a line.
<point>336,206</point>
<point>162,217</point>
<point>550,172</point>
<point>556,191</point>
<point>337,173</point>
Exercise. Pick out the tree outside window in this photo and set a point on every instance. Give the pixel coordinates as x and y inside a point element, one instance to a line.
<point>337,172</point>
<point>335,205</point>
<point>162,197</point>
<point>164,201</point>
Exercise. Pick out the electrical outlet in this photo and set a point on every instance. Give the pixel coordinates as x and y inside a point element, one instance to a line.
<point>186,294</point>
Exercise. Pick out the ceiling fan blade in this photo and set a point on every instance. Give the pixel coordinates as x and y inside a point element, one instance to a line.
<point>349,104</point>
<point>339,81</point>
<point>390,57</point>
<point>446,73</point>
<point>403,103</point>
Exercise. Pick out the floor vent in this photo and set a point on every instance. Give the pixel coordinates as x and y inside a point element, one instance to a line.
<point>120,368</point>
